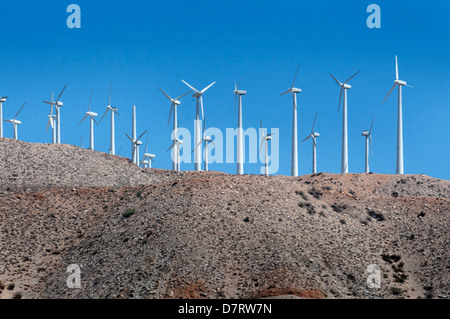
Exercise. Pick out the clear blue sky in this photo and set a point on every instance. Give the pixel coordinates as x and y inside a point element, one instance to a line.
<point>140,45</point>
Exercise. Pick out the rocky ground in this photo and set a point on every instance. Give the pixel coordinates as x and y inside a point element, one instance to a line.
<point>147,233</point>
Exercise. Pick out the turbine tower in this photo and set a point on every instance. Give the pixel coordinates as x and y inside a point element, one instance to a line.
<point>368,135</point>
<point>294,156</point>
<point>15,122</point>
<point>147,158</point>
<point>57,105</point>
<point>51,122</point>
<point>206,139</point>
<point>176,142</point>
<point>174,108</point>
<point>399,168</point>
<point>197,133</point>
<point>136,142</point>
<point>314,136</point>
<point>344,87</point>
<point>265,139</point>
<point>92,116</point>
<point>2,100</point>
<point>240,143</point>
<point>112,147</point>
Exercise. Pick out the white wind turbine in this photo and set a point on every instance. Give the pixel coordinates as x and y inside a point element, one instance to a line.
<point>176,142</point>
<point>399,168</point>
<point>314,136</point>
<point>92,116</point>
<point>206,139</point>
<point>57,105</point>
<point>51,122</point>
<point>344,87</point>
<point>240,143</point>
<point>2,100</point>
<point>136,142</point>
<point>174,109</point>
<point>265,140</point>
<point>368,136</point>
<point>294,156</point>
<point>147,158</point>
<point>112,147</point>
<point>197,133</point>
<point>15,122</point>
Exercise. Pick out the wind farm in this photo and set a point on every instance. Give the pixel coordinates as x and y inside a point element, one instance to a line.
<point>169,151</point>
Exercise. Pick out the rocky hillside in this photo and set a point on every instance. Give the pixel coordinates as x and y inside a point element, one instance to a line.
<point>214,235</point>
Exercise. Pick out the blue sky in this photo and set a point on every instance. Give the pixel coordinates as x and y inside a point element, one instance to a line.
<point>140,45</point>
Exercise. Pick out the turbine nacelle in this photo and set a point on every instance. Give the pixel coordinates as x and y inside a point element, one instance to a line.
<point>207,138</point>
<point>399,82</point>
<point>148,155</point>
<point>14,121</point>
<point>92,114</point>
<point>346,86</point>
<point>296,90</point>
<point>3,99</point>
<point>240,92</point>
<point>315,134</point>
<point>365,133</point>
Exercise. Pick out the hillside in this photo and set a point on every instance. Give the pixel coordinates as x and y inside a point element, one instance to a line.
<point>214,235</point>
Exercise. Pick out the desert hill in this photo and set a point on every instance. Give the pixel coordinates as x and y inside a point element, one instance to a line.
<point>148,233</point>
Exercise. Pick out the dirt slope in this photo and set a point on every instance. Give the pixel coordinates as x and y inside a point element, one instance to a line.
<point>213,235</point>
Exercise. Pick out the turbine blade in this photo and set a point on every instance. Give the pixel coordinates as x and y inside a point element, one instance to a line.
<point>199,143</point>
<point>351,77</point>
<point>389,92</point>
<point>119,150</point>
<point>260,123</point>
<point>141,135</point>
<point>51,103</point>
<point>340,97</point>
<point>409,85</point>
<point>285,92</point>
<point>192,88</point>
<point>170,114</point>
<point>110,89</point>
<point>165,93</point>
<point>204,90</point>
<point>52,96</point>
<point>19,110</point>
<point>129,138</point>
<point>307,138</point>
<point>335,79</point>
<point>90,99</point>
<point>204,124</point>
<point>201,104</point>
<point>48,124</point>
<point>260,145</point>
<point>82,120</point>
<point>146,145</point>
<point>61,93</point>
<point>179,97</point>
<point>371,146</point>
<point>396,68</point>
<point>295,76</point>
<point>170,147</point>
<point>314,123</point>
<point>104,115</point>
<point>371,125</point>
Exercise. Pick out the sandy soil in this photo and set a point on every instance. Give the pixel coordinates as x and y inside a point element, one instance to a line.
<point>214,235</point>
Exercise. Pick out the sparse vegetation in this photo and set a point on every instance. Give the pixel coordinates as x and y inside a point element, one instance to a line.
<point>421,214</point>
<point>139,194</point>
<point>17,295</point>
<point>352,192</point>
<point>396,291</point>
<point>339,208</point>
<point>11,286</point>
<point>342,221</point>
<point>314,192</point>
<point>395,194</point>
<point>302,194</point>
<point>376,215</point>
<point>129,212</point>
<point>400,278</point>
<point>390,258</point>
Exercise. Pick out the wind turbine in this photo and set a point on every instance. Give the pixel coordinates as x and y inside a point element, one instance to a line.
<point>112,147</point>
<point>265,139</point>
<point>240,143</point>
<point>344,87</point>
<point>399,168</point>
<point>368,135</point>
<point>136,142</point>
<point>206,139</point>
<point>176,142</point>
<point>294,156</point>
<point>148,158</point>
<point>197,134</point>
<point>174,107</point>
<point>57,105</point>
<point>15,122</point>
<point>92,120</point>
<point>2,99</point>
<point>313,135</point>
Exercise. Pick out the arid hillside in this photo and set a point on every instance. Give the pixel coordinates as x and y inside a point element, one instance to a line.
<point>147,233</point>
